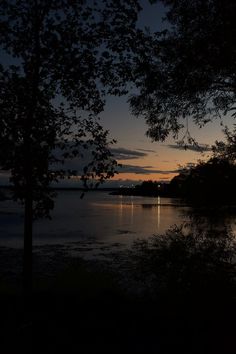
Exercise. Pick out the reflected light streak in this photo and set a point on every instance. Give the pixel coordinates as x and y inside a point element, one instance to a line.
<point>158,212</point>
<point>120,206</point>
<point>132,211</point>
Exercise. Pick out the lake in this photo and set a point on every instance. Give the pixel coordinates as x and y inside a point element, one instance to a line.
<point>98,217</point>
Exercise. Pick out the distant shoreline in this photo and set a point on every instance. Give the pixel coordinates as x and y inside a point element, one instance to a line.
<point>109,189</point>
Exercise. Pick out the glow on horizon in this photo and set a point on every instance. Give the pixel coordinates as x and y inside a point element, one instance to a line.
<point>130,134</point>
<point>143,177</point>
<point>167,161</point>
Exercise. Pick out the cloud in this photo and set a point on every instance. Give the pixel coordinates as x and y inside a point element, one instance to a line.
<point>119,153</point>
<point>143,170</point>
<point>197,148</point>
<point>78,163</point>
<point>127,154</point>
<point>146,150</point>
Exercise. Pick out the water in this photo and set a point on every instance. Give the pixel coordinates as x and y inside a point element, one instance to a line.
<point>98,217</point>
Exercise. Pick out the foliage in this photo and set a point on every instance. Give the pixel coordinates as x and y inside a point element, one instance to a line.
<point>226,150</point>
<point>210,182</point>
<point>189,68</point>
<point>184,263</point>
<point>61,58</point>
<point>147,188</point>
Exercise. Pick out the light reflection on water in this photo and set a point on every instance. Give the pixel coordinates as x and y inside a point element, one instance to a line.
<point>98,216</point>
<point>158,212</point>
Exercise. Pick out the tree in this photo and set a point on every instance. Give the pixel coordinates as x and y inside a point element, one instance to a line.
<point>208,183</point>
<point>226,150</point>
<point>189,69</point>
<point>64,56</point>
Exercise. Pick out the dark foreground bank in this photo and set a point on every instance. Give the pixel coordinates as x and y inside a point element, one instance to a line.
<point>170,294</point>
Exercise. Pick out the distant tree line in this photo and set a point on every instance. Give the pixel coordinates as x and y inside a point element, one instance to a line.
<point>212,181</point>
<point>207,183</point>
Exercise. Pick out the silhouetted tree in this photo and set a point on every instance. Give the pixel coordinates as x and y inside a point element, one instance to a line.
<point>60,57</point>
<point>188,69</point>
<point>211,182</point>
<point>147,188</point>
<point>226,149</point>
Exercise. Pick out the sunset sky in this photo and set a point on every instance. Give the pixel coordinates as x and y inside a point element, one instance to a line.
<point>141,158</point>
<point>145,159</point>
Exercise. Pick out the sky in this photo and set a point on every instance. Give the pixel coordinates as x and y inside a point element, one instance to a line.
<point>141,158</point>
<point>145,159</point>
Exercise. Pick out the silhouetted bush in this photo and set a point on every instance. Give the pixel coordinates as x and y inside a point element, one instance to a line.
<point>186,264</point>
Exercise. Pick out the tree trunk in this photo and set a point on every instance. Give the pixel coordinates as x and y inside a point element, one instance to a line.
<point>28,221</point>
<point>28,228</point>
